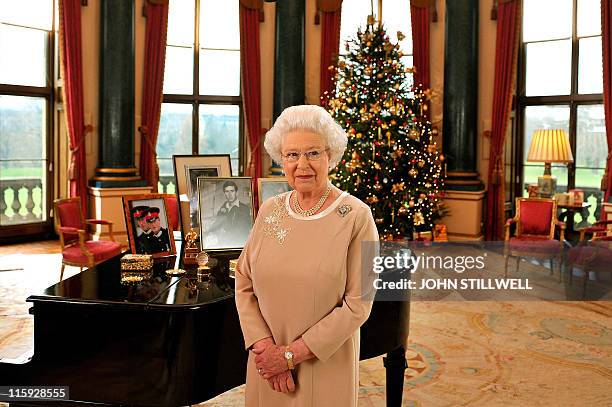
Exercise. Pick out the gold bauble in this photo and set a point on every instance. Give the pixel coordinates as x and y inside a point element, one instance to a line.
<point>349,100</point>
<point>379,221</point>
<point>402,211</point>
<point>421,163</point>
<point>379,76</point>
<point>413,173</point>
<point>393,122</point>
<point>411,203</point>
<point>368,44</point>
<point>414,134</point>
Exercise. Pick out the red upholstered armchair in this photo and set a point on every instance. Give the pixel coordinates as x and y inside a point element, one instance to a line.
<point>535,219</point>
<point>592,256</point>
<point>71,227</point>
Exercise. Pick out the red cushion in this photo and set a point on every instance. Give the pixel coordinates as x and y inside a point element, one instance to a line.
<point>69,214</point>
<point>596,257</point>
<point>173,212</point>
<point>536,217</point>
<point>101,249</point>
<point>535,244</point>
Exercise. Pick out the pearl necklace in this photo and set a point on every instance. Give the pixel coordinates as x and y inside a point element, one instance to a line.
<point>315,208</point>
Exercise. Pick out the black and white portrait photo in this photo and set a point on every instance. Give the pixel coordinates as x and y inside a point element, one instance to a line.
<point>193,173</point>
<point>187,169</point>
<point>226,212</point>
<point>148,227</point>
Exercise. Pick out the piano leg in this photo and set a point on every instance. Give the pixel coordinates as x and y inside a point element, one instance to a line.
<point>395,365</point>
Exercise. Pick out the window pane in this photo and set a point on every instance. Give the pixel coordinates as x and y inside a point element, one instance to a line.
<point>174,137</point>
<point>590,69</point>
<point>532,172</point>
<point>354,17</point>
<point>181,17</point>
<point>29,13</point>
<point>547,19</point>
<point>178,74</point>
<point>220,132</point>
<point>591,144</point>
<point>408,61</point>
<point>24,56</point>
<point>396,16</point>
<point>219,72</point>
<point>219,24</point>
<point>544,117</point>
<point>548,68</point>
<point>589,17</point>
<point>22,159</point>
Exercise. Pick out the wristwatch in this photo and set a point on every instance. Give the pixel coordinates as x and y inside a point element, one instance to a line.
<point>289,357</point>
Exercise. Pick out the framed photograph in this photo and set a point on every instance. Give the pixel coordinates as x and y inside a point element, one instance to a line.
<point>269,187</point>
<point>148,226</point>
<point>226,212</point>
<point>187,170</point>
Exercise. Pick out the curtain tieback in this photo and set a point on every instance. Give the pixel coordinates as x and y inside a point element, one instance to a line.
<point>88,128</point>
<point>496,177</point>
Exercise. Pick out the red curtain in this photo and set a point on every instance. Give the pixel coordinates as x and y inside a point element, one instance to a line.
<point>152,95</point>
<point>606,28</point>
<point>70,47</point>
<point>506,51</point>
<point>420,43</point>
<point>251,87</point>
<point>330,42</point>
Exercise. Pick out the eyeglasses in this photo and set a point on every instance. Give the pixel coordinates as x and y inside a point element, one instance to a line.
<point>312,155</point>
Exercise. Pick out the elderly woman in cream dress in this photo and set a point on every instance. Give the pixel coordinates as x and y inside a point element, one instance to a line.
<point>300,288</point>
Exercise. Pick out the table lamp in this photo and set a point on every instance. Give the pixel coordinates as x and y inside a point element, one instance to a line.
<point>549,146</point>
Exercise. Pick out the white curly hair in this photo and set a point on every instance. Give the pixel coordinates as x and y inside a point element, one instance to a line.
<point>307,117</point>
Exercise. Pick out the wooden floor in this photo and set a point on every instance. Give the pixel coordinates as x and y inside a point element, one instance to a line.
<point>40,247</point>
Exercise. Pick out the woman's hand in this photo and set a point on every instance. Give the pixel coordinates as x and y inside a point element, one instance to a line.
<point>262,344</point>
<point>282,382</point>
<point>270,361</point>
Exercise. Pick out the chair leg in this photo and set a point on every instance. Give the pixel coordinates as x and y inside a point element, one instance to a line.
<point>506,267</point>
<point>552,265</point>
<point>518,263</point>
<point>62,271</point>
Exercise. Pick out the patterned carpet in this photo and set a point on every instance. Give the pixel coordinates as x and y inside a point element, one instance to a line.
<point>532,353</point>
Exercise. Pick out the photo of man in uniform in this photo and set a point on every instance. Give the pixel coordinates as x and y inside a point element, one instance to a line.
<point>159,239</point>
<point>143,230</point>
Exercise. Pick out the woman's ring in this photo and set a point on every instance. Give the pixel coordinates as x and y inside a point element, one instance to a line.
<point>259,371</point>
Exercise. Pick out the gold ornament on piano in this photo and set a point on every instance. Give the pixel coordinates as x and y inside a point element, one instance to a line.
<point>233,266</point>
<point>191,248</point>
<point>202,259</point>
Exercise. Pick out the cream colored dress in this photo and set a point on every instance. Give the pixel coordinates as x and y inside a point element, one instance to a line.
<point>302,276</point>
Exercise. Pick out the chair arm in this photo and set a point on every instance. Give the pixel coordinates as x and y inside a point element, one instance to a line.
<point>561,225</point>
<point>509,222</point>
<point>103,222</point>
<point>67,229</point>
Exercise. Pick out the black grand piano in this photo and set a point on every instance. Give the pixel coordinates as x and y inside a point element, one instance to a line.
<point>165,341</point>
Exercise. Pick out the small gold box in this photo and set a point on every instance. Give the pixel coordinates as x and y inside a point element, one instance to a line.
<point>137,262</point>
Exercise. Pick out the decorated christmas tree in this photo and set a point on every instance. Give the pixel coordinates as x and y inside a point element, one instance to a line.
<point>391,161</point>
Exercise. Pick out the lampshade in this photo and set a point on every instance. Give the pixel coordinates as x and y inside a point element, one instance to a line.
<point>550,146</point>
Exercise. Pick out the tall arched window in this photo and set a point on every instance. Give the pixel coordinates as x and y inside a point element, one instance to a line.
<point>202,107</point>
<point>561,86</point>
<point>27,51</point>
